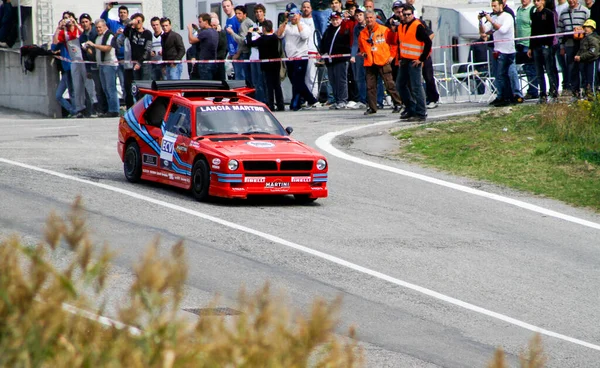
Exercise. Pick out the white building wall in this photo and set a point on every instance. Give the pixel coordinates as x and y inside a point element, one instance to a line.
<point>94,8</point>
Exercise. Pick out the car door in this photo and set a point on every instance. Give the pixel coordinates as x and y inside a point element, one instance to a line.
<point>151,133</point>
<point>175,153</point>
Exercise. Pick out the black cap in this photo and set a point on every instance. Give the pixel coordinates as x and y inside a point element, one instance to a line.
<point>85,16</point>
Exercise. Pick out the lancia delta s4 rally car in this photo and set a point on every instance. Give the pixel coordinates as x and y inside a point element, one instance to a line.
<point>212,138</point>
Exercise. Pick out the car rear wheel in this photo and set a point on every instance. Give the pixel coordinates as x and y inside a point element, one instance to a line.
<point>200,180</point>
<point>132,163</point>
<point>303,199</point>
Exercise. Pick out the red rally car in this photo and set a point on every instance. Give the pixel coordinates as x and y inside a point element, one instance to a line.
<point>213,139</point>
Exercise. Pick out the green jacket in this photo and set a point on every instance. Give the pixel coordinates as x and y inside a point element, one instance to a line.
<point>589,50</point>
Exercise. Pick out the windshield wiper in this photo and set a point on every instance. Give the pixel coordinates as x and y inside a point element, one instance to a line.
<point>219,133</point>
<point>256,132</point>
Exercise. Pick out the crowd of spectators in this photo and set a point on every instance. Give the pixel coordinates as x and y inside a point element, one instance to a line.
<point>383,59</point>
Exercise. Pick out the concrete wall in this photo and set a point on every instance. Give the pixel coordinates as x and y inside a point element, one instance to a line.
<point>32,92</point>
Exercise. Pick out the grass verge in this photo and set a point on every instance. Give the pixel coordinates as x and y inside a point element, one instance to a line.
<point>551,150</point>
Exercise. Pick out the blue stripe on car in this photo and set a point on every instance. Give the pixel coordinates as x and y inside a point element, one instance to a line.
<point>226,175</point>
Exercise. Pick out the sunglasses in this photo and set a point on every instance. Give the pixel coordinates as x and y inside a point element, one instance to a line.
<point>407,14</point>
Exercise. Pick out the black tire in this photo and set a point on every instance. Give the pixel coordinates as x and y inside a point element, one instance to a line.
<point>132,163</point>
<point>200,180</point>
<point>303,199</point>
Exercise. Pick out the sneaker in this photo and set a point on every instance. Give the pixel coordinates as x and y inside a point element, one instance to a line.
<point>360,105</point>
<point>542,100</point>
<point>529,96</point>
<point>3,44</point>
<point>416,119</point>
<point>502,103</point>
<point>351,105</point>
<point>388,101</point>
<point>370,111</point>
<point>340,106</point>
<point>332,106</point>
<point>380,106</point>
<point>397,109</point>
<point>432,105</point>
<point>496,101</point>
<point>312,106</point>
<point>517,100</point>
<point>406,115</point>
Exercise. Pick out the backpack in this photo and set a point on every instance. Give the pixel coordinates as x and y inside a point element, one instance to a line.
<point>28,55</point>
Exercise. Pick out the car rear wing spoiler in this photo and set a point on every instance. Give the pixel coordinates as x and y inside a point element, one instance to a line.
<point>192,85</point>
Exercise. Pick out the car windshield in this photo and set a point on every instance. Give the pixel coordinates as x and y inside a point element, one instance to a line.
<point>236,119</point>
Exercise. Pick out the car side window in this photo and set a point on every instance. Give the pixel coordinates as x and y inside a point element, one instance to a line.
<point>179,120</point>
<point>155,113</point>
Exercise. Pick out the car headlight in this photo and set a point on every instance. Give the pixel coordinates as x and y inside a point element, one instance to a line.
<point>233,165</point>
<point>321,164</point>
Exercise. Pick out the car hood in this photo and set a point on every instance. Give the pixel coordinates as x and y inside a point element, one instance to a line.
<point>254,148</point>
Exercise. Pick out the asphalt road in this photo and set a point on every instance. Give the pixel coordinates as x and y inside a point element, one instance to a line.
<point>385,241</point>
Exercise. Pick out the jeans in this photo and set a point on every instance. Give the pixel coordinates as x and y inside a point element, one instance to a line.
<point>338,78</point>
<point>258,81</point>
<point>206,71</point>
<point>246,68</point>
<point>78,78</point>
<point>296,72</point>
<point>156,71</point>
<point>102,105</point>
<point>544,59</point>
<point>108,77</point>
<point>239,71</point>
<point>410,85</point>
<point>65,84</point>
<point>321,19</point>
<point>529,69</point>
<point>360,78</point>
<point>508,81</point>
<point>588,72</point>
<point>174,71</point>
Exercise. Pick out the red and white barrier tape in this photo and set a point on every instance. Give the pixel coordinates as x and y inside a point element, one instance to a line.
<point>302,57</point>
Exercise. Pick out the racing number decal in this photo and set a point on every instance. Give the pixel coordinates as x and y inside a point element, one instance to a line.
<point>166,150</point>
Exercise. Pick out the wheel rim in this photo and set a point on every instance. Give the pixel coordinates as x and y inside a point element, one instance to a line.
<point>198,184</point>
<point>130,162</point>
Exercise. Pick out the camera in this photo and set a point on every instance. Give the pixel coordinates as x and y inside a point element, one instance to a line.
<point>255,29</point>
<point>291,15</point>
<point>113,3</point>
<point>482,14</point>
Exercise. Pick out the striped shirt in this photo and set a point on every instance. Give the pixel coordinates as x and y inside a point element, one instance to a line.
<point>568,19</point>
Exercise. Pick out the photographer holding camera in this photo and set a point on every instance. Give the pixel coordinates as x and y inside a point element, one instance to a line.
<point>296,37</point>
<point>68,33</point>
<point>502,25</point>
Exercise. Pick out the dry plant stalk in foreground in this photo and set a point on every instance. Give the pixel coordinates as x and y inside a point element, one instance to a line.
<point>35,329</point>
<point>533,358</point>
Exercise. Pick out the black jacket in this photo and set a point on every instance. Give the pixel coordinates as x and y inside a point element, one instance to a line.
<point>341,44</point>
<point>172,46</point>
<point>268,48</point>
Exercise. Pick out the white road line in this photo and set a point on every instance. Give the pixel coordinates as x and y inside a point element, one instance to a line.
<point>316,253</point>
<point>324,143</point>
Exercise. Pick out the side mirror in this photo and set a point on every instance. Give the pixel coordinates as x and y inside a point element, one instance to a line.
<point>289,130</point>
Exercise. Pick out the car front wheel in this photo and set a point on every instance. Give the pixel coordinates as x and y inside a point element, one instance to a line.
<point>200,180</point>
<point>132,163</point>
